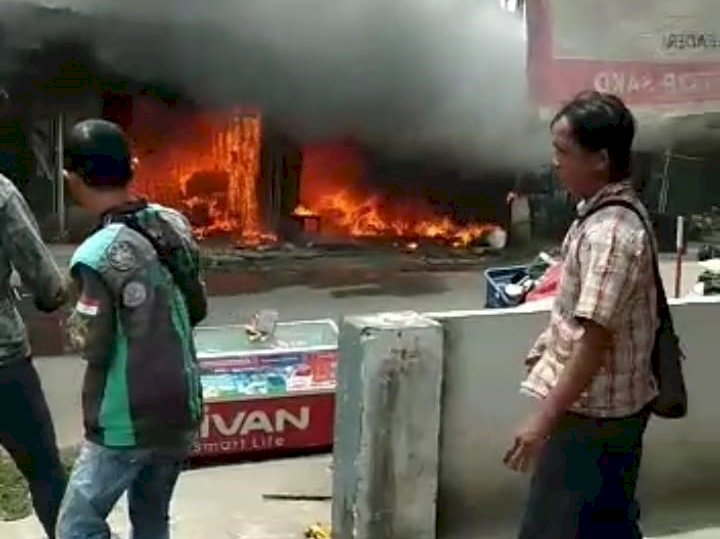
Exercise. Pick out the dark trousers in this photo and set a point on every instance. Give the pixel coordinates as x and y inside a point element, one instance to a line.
<point>27,433</point>
<point>584,483</point>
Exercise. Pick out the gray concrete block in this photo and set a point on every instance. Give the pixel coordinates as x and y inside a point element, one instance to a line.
<point>387,427</point>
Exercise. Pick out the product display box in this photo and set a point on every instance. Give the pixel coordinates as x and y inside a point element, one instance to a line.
<point>271,395</point>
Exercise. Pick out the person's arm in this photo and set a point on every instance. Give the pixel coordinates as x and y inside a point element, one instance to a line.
<point>91,324</point>
<point>20,236</point>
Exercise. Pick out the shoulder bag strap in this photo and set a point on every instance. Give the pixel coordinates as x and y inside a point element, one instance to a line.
<point>662,304</point>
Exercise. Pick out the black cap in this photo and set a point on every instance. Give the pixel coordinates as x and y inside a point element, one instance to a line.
<point>99,152</point>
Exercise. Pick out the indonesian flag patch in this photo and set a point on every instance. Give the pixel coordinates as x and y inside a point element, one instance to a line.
<point>87,306</point>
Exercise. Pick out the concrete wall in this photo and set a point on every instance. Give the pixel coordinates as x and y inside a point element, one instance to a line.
<point>481,406</point>
<point>385,479</point>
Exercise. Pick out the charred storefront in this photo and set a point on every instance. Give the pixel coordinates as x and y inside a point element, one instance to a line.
<point>236,176</point>
<point>232,169</point>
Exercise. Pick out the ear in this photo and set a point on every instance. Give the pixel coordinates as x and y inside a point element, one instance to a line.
<point>602,161</point>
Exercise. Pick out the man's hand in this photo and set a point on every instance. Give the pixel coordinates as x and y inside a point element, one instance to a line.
<point>528,442</point>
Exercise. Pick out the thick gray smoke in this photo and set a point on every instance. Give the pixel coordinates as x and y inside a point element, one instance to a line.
<point>445,76</point>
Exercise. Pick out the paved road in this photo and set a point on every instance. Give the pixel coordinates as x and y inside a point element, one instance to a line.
<point>433,291</point>
<point>403,291</point>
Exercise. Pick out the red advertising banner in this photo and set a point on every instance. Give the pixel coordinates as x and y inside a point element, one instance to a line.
<point>298,422</point>
<point>652,53</point>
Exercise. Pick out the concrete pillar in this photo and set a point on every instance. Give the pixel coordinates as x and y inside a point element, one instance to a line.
<point>387,425</point>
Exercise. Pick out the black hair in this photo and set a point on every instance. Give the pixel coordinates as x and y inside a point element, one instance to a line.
<point>601,121</point>
<point>99,152</point>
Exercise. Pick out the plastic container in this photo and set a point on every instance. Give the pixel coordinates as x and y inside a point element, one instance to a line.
<point>495,281</point>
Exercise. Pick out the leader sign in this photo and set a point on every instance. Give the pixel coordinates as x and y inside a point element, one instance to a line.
<point>652,53</point>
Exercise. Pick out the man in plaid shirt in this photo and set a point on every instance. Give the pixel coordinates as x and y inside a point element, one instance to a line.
<point>591,368</point>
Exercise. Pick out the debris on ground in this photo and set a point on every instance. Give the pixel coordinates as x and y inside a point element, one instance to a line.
<point>317,531</point>
<point>297,497</point>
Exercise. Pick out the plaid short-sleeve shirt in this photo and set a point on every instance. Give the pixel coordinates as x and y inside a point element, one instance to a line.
<point>607,278</point>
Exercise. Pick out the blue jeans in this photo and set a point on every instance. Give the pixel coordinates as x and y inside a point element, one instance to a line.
<point>584,482</point>
<point>102,475</point>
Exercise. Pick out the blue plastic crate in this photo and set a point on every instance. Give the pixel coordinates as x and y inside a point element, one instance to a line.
<point>495,281</point>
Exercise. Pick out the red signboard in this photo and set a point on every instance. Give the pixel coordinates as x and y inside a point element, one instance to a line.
<point>287,423</point>
<point>653,53</point>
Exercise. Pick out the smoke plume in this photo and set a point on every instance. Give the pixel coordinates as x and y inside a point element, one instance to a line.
<point>436,76</point>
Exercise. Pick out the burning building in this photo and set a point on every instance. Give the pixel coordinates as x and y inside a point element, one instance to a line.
<point>235,177</point>
<point>360,131</point>
<point>233,170</point>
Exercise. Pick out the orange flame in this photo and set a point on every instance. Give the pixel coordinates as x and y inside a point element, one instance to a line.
<point>330,189</point>
<point>208,166</point>
<point>303,211</point>
<point>210,170</point>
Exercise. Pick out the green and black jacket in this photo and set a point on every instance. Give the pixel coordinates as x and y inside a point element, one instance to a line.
<point>133,326</point>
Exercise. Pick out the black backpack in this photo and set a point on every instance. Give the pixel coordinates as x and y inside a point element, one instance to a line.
<point>172,252</point>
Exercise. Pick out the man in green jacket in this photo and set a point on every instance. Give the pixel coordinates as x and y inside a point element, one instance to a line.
<point>140,296</point>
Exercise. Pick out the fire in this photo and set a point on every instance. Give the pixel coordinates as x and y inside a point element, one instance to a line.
<point>330,190</point>
<point>208,166</point>
<point>303,211</point>
<point>372,217</point>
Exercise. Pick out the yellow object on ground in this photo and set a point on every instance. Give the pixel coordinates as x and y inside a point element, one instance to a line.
<point>316,531</point>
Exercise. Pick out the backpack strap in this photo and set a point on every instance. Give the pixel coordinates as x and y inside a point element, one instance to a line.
<point>662,304</point>
<point>191,288</point>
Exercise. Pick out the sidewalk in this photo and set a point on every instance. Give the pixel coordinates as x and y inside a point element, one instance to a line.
<point>228,502</point>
